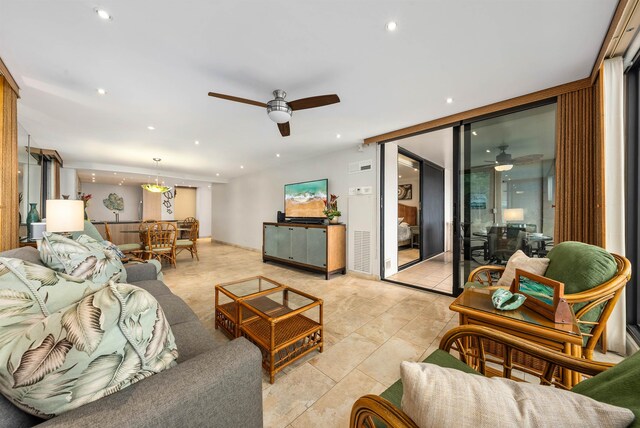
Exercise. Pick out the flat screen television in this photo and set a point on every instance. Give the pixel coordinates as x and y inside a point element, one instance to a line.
<point>306,200</point>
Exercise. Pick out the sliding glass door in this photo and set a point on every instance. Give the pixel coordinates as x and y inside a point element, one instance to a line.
<point>506,187</point>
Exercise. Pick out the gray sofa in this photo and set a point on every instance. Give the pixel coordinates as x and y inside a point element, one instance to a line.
<point>212,385</point>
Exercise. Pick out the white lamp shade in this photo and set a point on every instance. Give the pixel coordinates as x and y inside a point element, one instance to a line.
<point>514,214</point>
<point>65,215</point>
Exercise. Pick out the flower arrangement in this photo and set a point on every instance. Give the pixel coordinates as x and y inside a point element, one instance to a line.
<point>331,210</point>
<point>85,198</point>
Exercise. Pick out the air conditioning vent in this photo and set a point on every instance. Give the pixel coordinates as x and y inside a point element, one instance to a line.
<point>362,251</point>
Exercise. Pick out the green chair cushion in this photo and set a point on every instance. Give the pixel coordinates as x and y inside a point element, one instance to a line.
<point>618,386</point>
<point>470,284</point>
<point>439,358</point>
<point>184,243</point>
<point>580,266</point>
<point>89,229</point>
<point>129,247</point>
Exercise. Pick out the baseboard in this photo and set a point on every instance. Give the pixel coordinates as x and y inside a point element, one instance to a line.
<point>632,346</point>
<point>236,245</point>
<point>363,275</point>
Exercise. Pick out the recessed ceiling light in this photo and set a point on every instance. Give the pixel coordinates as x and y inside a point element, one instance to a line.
<point>241,166</point>
<point>102,91</point>
<point>392,26</point>
<point>338,136</point>
<point>399,176</point>
<point>151,127</point>
<point>93,174</point>
<point>415,169</point>
<point>474,133</point>
<point>449,100</point>
<point>103,14</point>
<point>197,142</point>
<point>115,173</point>
<point>277,155</point>
<point>488,151</point>
<point>217,174</point>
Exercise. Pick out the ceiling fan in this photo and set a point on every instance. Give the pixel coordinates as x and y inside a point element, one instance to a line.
<point>504,160</point>
<point>279,110</point>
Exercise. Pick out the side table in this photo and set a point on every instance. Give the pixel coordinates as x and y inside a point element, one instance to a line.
<point>475,307</point>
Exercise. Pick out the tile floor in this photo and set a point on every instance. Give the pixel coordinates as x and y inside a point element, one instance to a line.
<point>435,273</point>
<point>370,327</point>
<point>406,255</point>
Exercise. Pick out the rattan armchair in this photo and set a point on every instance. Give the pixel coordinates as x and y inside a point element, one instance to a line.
<point>607,294</point>
<point>468,342</point>
<point>190,244</point>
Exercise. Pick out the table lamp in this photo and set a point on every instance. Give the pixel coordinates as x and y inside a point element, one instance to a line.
<point>513,214</point>
<point>65,216</point>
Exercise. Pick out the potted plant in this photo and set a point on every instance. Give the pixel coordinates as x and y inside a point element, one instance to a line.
<point>331,211</point>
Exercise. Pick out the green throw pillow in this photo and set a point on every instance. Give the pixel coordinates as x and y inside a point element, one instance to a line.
<point>84,257</point>
<point>580,266</point>
<point>55,361</point>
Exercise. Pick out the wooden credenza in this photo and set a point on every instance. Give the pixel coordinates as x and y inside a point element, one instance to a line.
<point>317,247</point>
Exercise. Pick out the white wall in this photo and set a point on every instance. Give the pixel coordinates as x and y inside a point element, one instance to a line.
<point>390,209</point>
<point>68,182</point>
<point>242,205</point>
<point>96,210</point>
<point>204,208</point>
<point>185,203</point>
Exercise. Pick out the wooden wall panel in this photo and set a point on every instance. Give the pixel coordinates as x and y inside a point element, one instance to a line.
<point>579,167</point>
<point>9,222</point>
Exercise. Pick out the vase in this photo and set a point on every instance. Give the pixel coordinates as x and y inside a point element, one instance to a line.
<point>334,220</point>
<point>117,217</point>
<point>86,217</point>
<point>32,217</point>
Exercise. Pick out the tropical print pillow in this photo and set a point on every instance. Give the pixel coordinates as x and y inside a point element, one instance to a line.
<point>55,361</point>
<point>84,258</point>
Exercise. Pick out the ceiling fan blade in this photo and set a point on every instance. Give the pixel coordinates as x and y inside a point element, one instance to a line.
<point>237,99</point>
<point>528,158</point>
<point>285,131</point>
<point>312,102</point>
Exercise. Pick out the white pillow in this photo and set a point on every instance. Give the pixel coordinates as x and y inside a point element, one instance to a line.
<point>436,396</point>
<point>400,220</point>
<point>520,260</point>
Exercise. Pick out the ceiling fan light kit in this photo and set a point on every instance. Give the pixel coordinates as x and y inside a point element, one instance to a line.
<point>277,109</point>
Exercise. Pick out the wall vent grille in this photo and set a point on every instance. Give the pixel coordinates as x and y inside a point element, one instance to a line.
<point>362,251</point>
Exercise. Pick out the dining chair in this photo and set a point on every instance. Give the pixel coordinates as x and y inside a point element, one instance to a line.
<point>186,224</point>
<point>161,242</point>
<point>190,244</point>
<point>143,236</point>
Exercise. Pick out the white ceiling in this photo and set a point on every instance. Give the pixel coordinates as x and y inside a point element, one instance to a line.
<point>158,59</point>
<point>126,179</point>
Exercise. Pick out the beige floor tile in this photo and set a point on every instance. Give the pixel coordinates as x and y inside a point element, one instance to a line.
<point>382,328</point>
<point>384,364</point>
<point>343,323</point>
<point>290,396</point>
<point>334,408</point>
<point>421,331</point>
<point>337,361</point>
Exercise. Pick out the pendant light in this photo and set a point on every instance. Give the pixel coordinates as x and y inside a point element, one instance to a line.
<point>156,187</point>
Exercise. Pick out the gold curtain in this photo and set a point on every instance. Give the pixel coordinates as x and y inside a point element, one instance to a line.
<point>9,218</point>
<point>580,167</point>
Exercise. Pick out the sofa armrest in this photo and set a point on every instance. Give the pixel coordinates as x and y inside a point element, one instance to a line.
<point>140,272</point>
<point>222,387</point>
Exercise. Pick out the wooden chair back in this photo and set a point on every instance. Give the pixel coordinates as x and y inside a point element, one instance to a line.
<point>107,232</point>
<point>162,236</point>
<point>193,233</point>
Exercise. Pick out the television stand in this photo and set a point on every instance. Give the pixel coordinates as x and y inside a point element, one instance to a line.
<point>316,247</point>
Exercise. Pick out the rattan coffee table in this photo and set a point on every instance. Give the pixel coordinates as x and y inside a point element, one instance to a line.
<point>229,293</point>
<point>282,322</point>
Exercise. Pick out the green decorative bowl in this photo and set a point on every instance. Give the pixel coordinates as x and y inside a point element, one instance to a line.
<point>505,300</point>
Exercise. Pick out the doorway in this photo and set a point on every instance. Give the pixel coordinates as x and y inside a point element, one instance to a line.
<point>417,219</point>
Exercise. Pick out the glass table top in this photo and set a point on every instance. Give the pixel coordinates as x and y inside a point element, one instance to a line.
<point>479,299</point>
<point>247,286</point>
